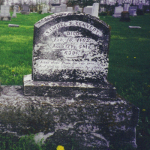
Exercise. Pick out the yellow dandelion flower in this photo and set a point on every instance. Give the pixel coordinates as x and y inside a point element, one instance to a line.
<point>134,57</point>
<point>60,147</point>
<point>143,109</point>
<point>13,71</point>
<point>148,86</point>
<point>127,56</point>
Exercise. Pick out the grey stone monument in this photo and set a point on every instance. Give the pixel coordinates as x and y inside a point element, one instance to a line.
<point>132,10</point>
<point>17,8</point>
<point>63,7</point>
<point>14,13</point>
<point>25,9</point>
<point>117,12</point>
<point>69,72</point>
<point>5,14</point>
<point>92,10</point>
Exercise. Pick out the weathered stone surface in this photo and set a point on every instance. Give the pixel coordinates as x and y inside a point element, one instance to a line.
<point>70,47</point>
<point>13,25</point>
<point>45,88</point>
<point>68,96</point>
<point>89,121</point>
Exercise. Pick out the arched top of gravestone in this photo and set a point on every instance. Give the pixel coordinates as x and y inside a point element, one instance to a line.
<point>68,15</point>
<point>64,17</point>
<point>70,47</point>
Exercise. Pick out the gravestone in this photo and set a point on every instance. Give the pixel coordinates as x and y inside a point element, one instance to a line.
<point>63,7</point>
<point>70,9</point>
<point>44,10</point>
<point>126,7</point>
<point>117,11</point>
<point>95,9</point>
<point>92,10</point>
<point>14,13</point>
<point>69,73</point>
<point>140,6</point>
<point>125,16</point>
<point>76,8</point>
<point>5,14</point>
<point>132,10</point>
<point>17,8</point>
<point>25,9</point>
<point>57,9</point>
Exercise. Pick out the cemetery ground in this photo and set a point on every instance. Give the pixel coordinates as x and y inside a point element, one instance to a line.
<point>129,69</point>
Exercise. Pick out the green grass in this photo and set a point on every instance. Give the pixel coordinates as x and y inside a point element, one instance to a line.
<point>129,65</point>
<point>16,48</point>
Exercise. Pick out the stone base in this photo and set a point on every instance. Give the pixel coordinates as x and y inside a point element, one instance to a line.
<point>58,89</point>
<point>5,18</point>
<point>24,12</point>
<point>86,124</point>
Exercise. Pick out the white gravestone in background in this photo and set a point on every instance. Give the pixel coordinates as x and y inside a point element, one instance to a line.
<point>95,9</point>
<point>63,7</point>
<point>88,10</point>
<point>126,7</point>
<point>117,12</point>
<point>5,14</point>
<point>92,10</point>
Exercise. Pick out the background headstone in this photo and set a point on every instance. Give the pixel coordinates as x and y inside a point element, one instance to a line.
<point>117,11</point>
<point>5,14</point>
<point>126,7</point>
<point>25,9</point>
<point>17,8</point>
<point>132,10</point>
<point>63,7</point>
<point>92,10</point>
<point>141,6</point>
<point>95,10</point>
<point>88,10</point>
<point>76,8</point>
<point>14,13</point>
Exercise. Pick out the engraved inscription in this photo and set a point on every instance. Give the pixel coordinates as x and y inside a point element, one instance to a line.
<point>74,23</point>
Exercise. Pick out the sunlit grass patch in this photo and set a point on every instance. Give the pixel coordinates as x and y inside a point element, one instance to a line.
<point>13,75</point>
